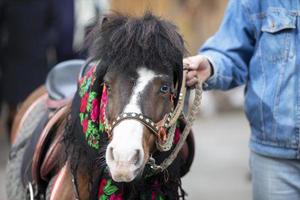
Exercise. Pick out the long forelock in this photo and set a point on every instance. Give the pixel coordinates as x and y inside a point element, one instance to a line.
<point>124,42</point>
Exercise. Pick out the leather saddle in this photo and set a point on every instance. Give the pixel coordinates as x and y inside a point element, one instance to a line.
<point>40,159</point>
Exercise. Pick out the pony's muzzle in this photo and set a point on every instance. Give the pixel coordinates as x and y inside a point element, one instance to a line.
<point>133,158</point>
<point>124,164</point>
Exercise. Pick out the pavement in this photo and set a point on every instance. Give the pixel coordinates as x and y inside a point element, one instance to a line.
<point>4,148</point>
<point>220,169</point>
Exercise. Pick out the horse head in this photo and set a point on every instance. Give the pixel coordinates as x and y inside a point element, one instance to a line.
<point>141,69</point>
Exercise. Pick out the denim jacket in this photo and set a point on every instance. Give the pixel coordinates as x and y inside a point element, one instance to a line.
<point>258,44</point>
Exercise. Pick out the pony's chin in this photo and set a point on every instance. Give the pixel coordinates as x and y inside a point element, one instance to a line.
<point>128,176</point>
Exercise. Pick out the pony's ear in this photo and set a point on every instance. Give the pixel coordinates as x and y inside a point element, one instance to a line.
<point>104,19</point>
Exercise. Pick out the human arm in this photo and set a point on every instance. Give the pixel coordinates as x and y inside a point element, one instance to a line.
<point>224,58</point>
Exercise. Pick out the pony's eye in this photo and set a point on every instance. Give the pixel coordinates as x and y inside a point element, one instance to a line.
<point>164,89</point>
<point>108,88</point>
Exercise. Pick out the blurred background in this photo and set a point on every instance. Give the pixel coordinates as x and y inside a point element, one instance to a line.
<point>37,34</point>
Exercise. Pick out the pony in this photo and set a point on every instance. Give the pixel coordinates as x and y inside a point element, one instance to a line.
<point>123,118</point>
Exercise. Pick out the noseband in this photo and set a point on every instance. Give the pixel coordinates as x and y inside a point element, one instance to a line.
<point>154,127</point>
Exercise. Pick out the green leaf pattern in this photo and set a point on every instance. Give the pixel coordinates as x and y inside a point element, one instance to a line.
<point>93,130</point>
<point>108,190</point>
<point>92,96</point>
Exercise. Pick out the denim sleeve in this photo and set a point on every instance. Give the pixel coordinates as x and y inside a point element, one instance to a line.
<point>231,48</point>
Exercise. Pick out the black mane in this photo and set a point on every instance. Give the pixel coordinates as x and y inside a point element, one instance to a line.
<point>125,41</point>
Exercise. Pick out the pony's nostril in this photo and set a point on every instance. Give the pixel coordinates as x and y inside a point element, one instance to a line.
<point>135,159</point>
<point>111,153</point>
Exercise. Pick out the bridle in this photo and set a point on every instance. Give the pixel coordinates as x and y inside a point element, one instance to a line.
<point>165,128</point>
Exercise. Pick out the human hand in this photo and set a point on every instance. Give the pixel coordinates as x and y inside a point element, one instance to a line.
<point>197,66</point>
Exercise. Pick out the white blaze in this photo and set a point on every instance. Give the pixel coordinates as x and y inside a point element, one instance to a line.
<point>128,134</point>
<point>145,77</point>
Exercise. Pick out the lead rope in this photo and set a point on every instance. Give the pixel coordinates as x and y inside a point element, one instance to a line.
<point>169,142</point>
<point>189,122</point>
<point>174,116</point>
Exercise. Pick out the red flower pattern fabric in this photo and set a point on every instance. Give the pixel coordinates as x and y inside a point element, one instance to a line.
<point>84,102</point>
<point>95,110</point>
<point>89,111</point>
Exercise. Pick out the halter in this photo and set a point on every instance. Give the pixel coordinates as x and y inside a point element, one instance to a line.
<point>163,129</point>
<point>159,129</point>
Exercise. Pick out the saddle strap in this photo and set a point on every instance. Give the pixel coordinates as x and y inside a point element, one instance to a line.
<point>30,148</point>
<point>50,161</point>
<point>45,140</point>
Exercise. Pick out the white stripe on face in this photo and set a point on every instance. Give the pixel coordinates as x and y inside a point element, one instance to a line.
<point>131,128</point>
<point>128,134</point>
<point>145,77</point>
